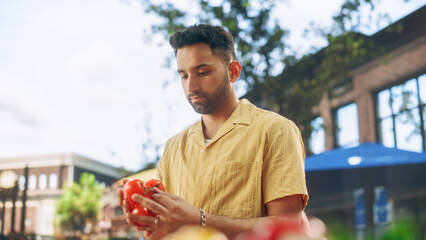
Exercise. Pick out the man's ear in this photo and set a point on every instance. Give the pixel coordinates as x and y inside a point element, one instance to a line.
<point>234,69</point>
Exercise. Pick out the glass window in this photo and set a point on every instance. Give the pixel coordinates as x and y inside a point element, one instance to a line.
<point>21,183</point>
<point>32,184</point>
<point>399,115</point>
<point>118,211</point>
<point>424,123</point>
<point>407,126</point>
<point>386,133</point>
<point>384,104</point>
<point>42,181</point>
<point>53,181</point>
<point>316,141</point>
<point>422,88</point>
<point>347,126</point>
<point>404,96</point>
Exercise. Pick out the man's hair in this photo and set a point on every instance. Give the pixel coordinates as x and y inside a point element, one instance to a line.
<point>220,41</point>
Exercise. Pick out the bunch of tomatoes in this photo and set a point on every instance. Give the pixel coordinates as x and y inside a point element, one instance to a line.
<point>146,189</point>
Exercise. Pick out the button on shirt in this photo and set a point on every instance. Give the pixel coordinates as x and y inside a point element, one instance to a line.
<point>256,156</point>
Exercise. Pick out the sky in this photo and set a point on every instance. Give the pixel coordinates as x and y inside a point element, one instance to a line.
<point>79,76</point>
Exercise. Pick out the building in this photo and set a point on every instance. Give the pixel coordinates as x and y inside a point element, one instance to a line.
<point>386,98</point>
<point>381,103</point>
<point>47,176</point>
<point>382,106</point>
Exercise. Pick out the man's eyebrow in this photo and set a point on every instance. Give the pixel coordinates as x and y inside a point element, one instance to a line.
<point>201,65</point>
<point>196,67</point>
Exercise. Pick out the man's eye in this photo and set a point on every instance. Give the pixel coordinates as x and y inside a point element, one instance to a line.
<point>203,73</point>
<point>184,77</point>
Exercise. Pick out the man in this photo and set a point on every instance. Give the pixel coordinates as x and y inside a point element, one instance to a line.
<point>239,166</point>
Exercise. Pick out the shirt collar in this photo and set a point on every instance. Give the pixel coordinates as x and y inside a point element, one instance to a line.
<point>243,114</point>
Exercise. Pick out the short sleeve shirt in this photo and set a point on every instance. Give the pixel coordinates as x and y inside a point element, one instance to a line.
<point>257,156</point>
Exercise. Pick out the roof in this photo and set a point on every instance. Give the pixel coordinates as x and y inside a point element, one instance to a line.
<point>60,159</point>
<point>362,156</point>
<point>403,30</point>
<point>144,175</point>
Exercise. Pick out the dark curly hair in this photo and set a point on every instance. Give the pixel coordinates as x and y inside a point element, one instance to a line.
<point>220,41</point>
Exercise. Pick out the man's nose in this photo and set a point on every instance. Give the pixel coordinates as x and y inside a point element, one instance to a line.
<point>193,83</point>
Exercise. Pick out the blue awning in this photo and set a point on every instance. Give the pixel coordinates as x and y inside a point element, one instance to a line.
<point>364,155</point>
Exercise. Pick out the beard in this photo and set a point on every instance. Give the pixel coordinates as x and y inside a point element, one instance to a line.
<point>212,101</point>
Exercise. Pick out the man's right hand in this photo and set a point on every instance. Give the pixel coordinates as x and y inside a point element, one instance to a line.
<point>126,207</point>
<point>121,194</point>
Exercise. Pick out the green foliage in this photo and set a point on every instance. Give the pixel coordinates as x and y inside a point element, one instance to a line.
<point>148,166</point>
<point>262,43</point>
<point>79,205</point>
<point>304,81</point>
<point>336,231</point>
<point>258,36</point>
<point>401,229</point>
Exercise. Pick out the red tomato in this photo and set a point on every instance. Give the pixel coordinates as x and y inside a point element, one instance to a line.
<point>140,210</point>
<point>149,190</point>
<point>150,185</point>
<point>131,187</point>
<point>143,211</point>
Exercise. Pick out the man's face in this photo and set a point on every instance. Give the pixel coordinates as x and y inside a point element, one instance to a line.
<point>204,78</point>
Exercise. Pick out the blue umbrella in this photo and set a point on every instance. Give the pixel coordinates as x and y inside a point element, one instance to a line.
<point>362,156</point>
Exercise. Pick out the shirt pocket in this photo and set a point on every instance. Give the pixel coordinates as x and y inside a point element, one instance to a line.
<point>237,189</point>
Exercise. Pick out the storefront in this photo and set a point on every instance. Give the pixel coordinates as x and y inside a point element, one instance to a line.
<point>363,190</point>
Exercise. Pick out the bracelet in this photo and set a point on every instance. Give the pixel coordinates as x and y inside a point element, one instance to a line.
<point>203,219</point>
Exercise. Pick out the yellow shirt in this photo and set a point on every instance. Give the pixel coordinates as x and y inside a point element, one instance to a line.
<point>257,156</point>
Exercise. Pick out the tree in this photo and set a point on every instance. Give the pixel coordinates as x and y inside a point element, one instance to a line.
<point>303,81</point>
<point>79,206</point>
<point>259,36</point>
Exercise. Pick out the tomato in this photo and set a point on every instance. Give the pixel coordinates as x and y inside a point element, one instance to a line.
<point>150,185</point>
<point>143,211</point>
<point>131,187</point>
<point>149,190</point>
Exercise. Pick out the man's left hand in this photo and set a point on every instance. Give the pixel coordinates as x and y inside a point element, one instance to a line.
<point>173,213</point>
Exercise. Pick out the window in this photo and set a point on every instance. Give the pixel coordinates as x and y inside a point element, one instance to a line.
<point>53,181</point>
<point>32,184</point>
<point>346,127</point>
<point>401,115</point>
<point>42,181</point>
<point>21,183</point>
<point>118,211</point>
<point>316,141</point>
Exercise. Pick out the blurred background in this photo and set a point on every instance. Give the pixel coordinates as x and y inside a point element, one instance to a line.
<point>91,87</point>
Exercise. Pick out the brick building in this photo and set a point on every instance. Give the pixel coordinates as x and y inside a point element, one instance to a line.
<point>381,101</point>
<point>47,175</point>
<point>384,99</point>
